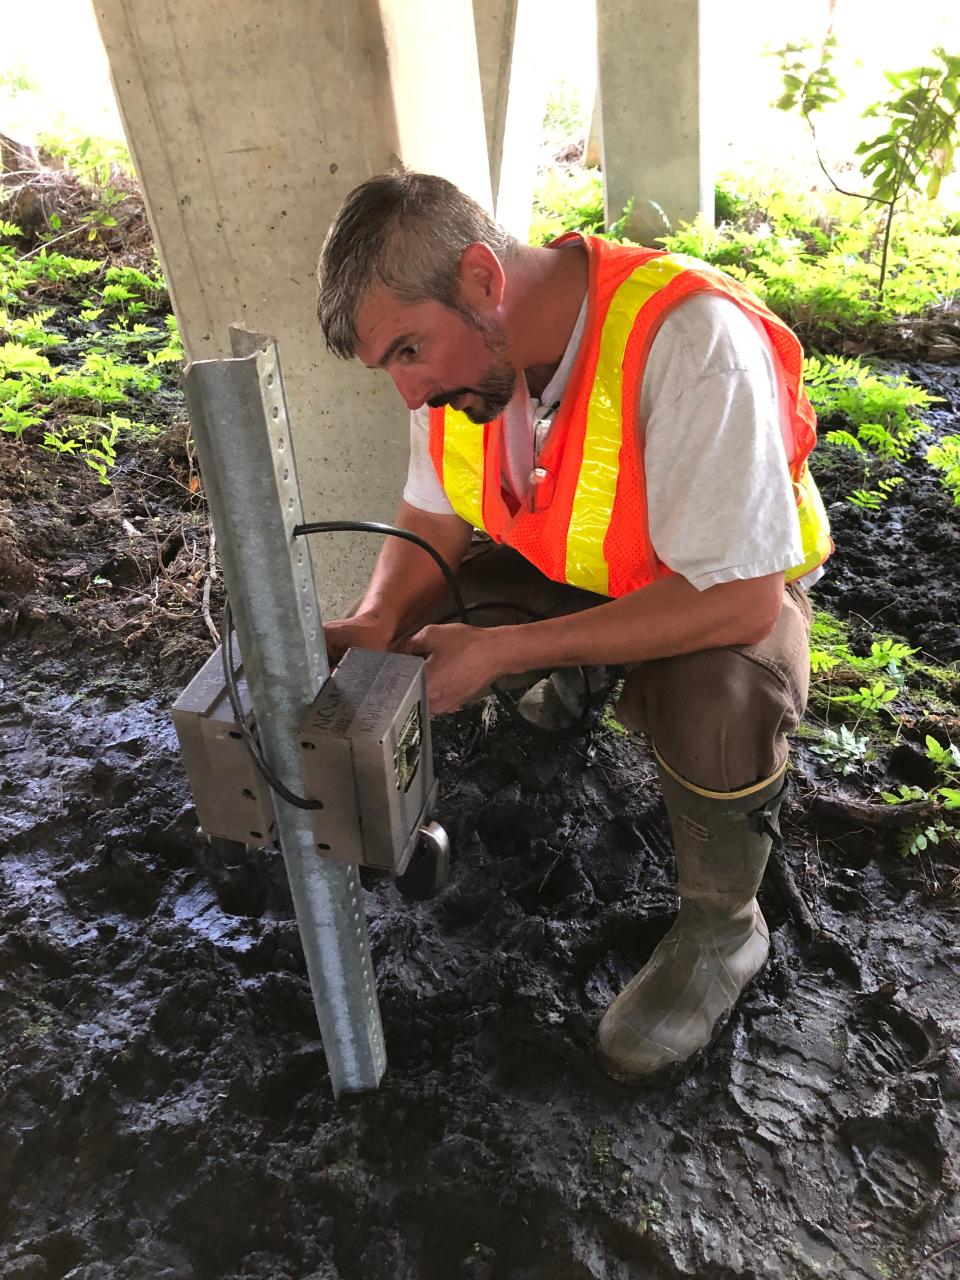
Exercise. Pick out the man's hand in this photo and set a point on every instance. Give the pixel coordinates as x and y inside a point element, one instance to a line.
<point>362,631</point>
<point>406,585</point>
<point>461,660</point>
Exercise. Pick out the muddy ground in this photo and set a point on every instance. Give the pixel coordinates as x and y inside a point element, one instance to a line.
<point>165,1106</point>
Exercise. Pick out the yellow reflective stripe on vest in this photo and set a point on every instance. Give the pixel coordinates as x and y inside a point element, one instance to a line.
<point>463,465</point>
<point>814,526</point>
<point>597,483</point>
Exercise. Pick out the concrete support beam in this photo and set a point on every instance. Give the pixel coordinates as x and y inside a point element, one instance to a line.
<point>593,150</point>
<point>495,22</point>
<point>515,78</point>
<point>431,60</point>
<point>530,84</point>
<point>248,126</point>
<point>650,66</point>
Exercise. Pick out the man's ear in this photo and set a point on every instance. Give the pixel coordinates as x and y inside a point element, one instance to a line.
<point>481,277</point>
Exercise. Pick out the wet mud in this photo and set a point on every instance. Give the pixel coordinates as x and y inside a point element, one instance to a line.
<point>898,568</point>
<point>165,1105</point>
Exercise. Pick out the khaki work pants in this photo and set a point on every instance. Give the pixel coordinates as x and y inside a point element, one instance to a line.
<point>718,717</point>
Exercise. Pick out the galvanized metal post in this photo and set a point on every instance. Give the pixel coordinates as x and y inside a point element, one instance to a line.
<point>239,417</point>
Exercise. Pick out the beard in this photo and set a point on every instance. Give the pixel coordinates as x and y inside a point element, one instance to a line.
<point>496,386</point>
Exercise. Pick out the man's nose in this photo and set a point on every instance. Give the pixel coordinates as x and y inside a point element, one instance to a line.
<point>411,387</point>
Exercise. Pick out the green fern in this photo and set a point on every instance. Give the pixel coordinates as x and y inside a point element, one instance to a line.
<point>873,499</point>
<point>945,458</point>
<point>18,358</point>
<point>845,440</point>
<point>885,404</point>
<point>883,442</point>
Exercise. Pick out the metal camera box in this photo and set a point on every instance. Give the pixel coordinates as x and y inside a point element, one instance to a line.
<point>365,750</point>
<point>231,798</point>
<point>367,756</point>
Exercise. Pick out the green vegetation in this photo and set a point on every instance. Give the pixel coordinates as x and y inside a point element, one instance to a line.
<point>15,80</point>
<point>813,258</point>
<point>828,263</point>
<point>74,353</point>
<point>96,161</point>
<point>914,150</point>
<point>873,499</point>
<point>869,682</point>
<point>945,458</point>
<point>946,761</point>
<point>881,408</point>
<point>609,723</point>
<point>567,199</point>
<point>565,118</point>
<point>877,676</point>
<point>879,413</point>
<point>889,689</point>
<point>844,750</point>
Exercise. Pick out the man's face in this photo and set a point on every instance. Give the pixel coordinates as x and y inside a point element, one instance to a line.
<point>437,356</point>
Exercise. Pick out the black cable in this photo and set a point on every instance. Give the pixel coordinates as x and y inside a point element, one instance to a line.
<point>373,526</point>
<point>582,721</point>
<point>463,612</point>
<point>233,694</point>
<point>531,614</point>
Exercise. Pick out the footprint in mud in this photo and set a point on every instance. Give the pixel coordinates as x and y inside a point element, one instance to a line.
<point>822,1056</point>
<point>787,1070</point>
<point>901,1167</point>
<point>887,1040</point>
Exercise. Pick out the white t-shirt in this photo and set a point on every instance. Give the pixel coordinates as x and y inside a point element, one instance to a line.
<point>716,445</point>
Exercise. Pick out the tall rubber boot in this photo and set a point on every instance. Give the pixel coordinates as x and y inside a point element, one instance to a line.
<point>719,940</point>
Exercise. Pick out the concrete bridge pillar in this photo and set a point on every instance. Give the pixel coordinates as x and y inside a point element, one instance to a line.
<point>653,105</point>
<point>496,24</point>
<point>516,80</point>
<point>248,125</point>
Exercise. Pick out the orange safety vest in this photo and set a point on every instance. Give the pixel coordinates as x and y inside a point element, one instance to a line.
<point>586,522</point>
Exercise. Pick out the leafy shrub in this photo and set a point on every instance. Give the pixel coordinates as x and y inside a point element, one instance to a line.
<point>915,147</point>
<point>945,458</point>
<point>71,408</point>
<point>869,683</point>
<point>881,413</point>
<point>568,199</point>
<point>813,257</point>
<point>867,399</point>
<point>94,160</point>
<point>844,750</point>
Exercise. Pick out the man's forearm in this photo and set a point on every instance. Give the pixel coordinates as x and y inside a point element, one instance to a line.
<point>667,618</point>
<point>406,583</point>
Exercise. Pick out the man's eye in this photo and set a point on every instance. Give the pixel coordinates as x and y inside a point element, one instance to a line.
<point>408,353</point>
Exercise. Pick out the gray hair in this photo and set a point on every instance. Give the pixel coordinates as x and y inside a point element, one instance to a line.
<point>404,230</point>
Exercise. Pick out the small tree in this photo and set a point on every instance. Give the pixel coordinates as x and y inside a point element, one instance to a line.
<point>915,149</point>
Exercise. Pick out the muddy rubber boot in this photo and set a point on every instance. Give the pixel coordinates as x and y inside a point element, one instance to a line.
<point>719,940</point>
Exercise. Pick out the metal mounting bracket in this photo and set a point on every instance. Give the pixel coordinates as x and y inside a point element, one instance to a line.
<point>239,417</point>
